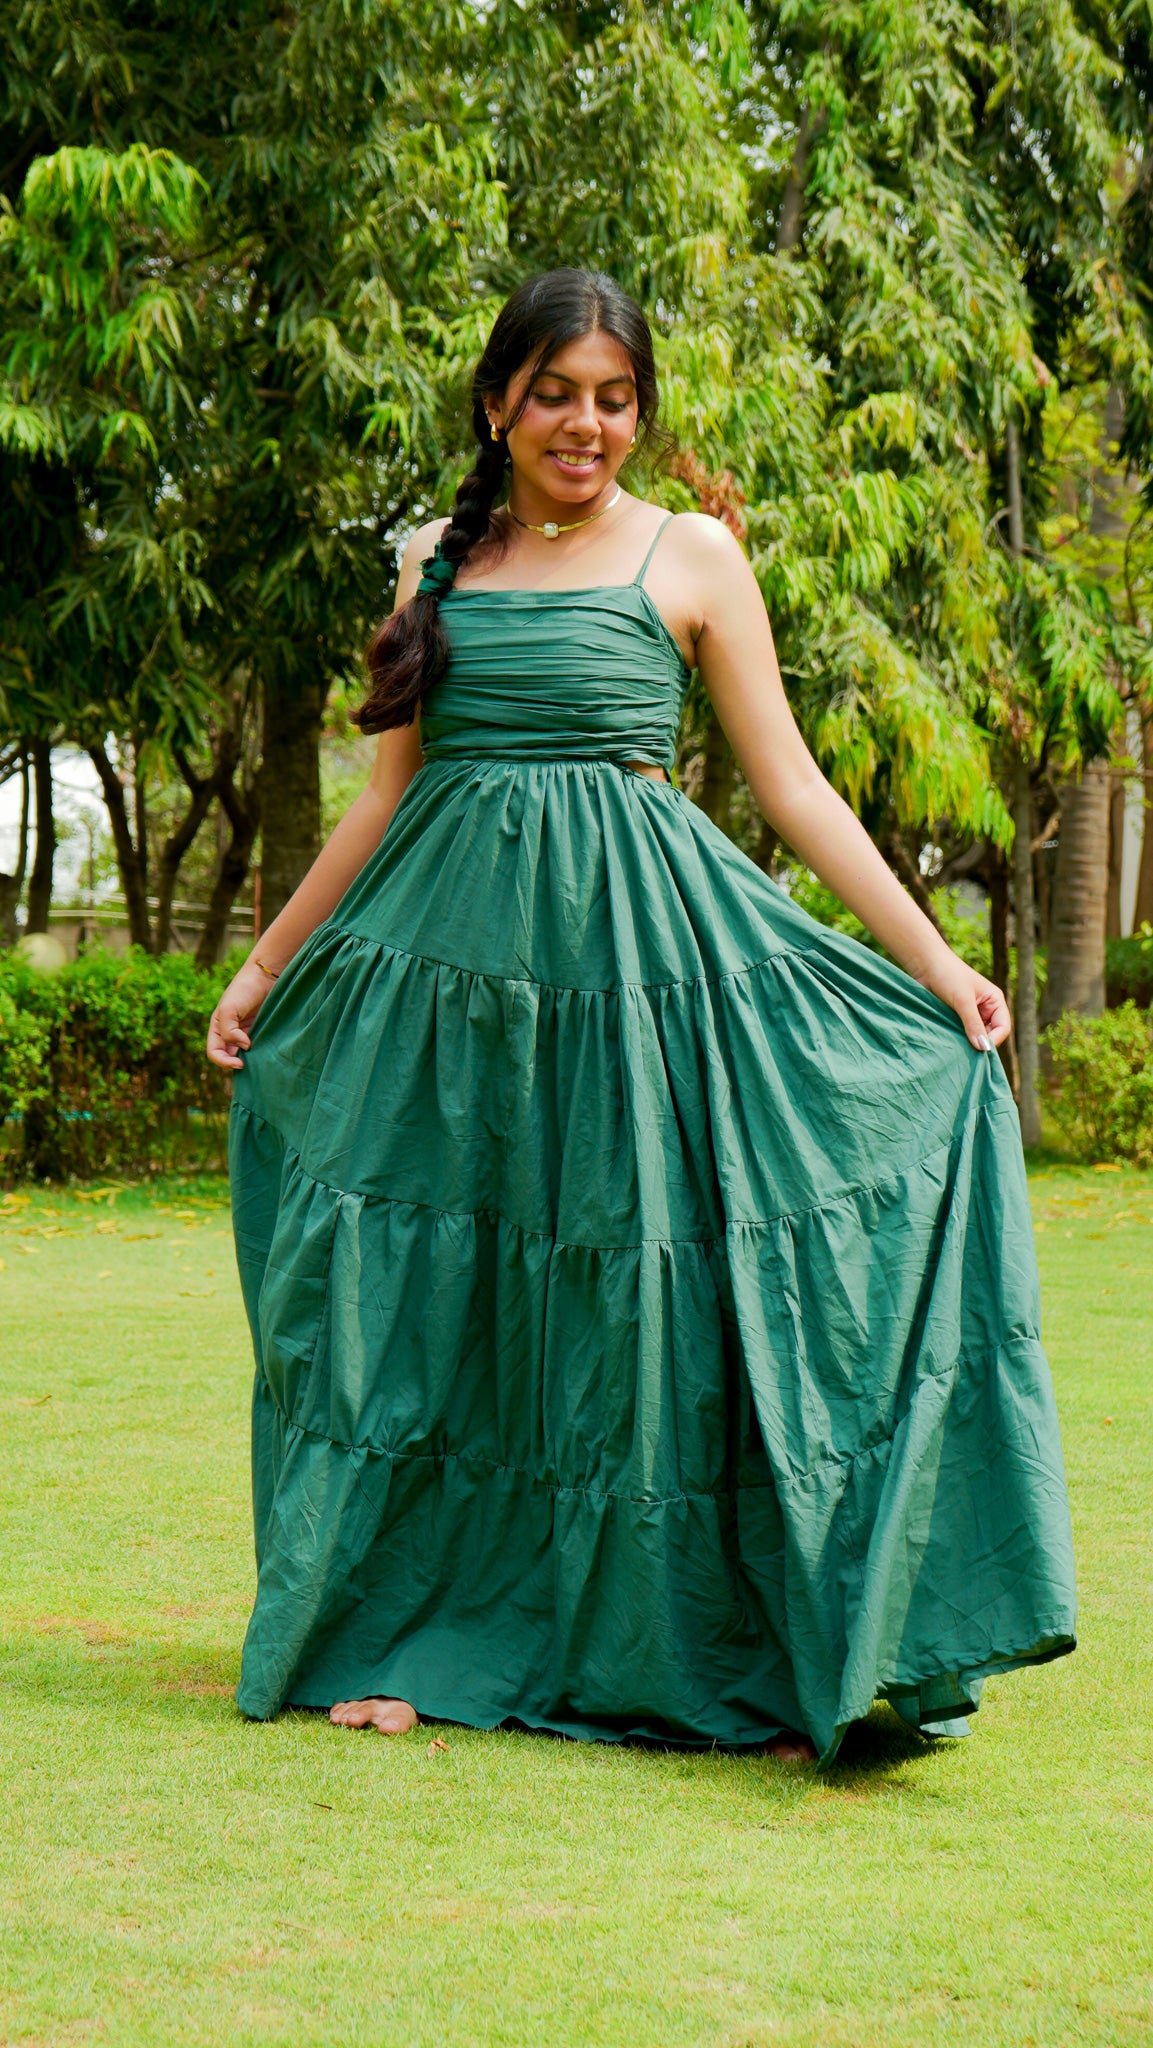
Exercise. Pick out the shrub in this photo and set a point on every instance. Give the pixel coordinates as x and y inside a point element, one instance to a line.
<point>104,1064</point>
<point>23,1057</point>
<point>967,931</point>
<point>1102,1093</point>
<point>1129,969</point>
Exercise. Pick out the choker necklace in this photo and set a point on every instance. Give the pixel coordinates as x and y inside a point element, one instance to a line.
<point>551,530</point>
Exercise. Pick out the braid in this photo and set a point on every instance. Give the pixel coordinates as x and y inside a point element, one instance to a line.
<point>472,510</point>
<point>410,651</point>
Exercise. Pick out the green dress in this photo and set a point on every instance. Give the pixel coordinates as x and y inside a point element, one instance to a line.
<point>640,1274</point>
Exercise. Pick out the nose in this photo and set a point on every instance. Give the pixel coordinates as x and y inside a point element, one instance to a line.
<point>583,419</point>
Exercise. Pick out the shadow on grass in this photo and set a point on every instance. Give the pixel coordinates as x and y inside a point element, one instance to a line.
<point>114,1670</point>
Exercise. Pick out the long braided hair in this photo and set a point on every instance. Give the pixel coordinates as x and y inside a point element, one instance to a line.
<point>410,651</point>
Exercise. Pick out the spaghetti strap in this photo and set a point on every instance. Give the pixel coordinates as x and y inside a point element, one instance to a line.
<point>640,575</point>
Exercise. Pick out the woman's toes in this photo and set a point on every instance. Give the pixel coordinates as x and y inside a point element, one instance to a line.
<point>389,1717</point>
<point>395,1717</point>
<point>793,1749</point>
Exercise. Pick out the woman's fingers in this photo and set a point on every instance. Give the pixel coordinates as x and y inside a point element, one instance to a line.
<point>994,1011</point>
<point>226,1034</point>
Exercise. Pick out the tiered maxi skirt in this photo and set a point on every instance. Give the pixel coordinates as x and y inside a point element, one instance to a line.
<point>643,1292</point>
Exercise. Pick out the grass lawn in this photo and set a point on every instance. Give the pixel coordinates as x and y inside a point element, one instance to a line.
<point>172,1874</point>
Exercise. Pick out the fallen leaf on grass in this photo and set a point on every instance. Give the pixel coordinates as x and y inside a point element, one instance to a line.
<point>105,1273</point>
<point>3,1263</point>
<point>197,1293</point>
<point>138,1236</point>
<point>325,1808</point>
<point>436,1744</point>
<point>104,1228</point>
<point>1106,1166</point>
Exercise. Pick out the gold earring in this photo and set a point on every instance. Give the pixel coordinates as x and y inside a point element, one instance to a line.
<point>633,442</point>
<point>494,431</point>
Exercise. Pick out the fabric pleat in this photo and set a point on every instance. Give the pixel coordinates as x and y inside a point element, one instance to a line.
<point>640,1274</point>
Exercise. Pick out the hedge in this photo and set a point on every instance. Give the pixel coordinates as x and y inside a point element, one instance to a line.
<point>1102,1083</point>
<point>103,1069</point>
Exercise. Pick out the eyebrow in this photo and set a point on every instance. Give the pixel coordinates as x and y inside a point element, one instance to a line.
<point>624,378</point>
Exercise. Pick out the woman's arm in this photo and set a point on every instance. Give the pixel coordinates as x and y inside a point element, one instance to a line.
<point>340,860</point>
<point>738,663</point>
<point>345,852</point>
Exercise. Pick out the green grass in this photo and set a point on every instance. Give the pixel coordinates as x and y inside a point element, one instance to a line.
<point>172,1874</point>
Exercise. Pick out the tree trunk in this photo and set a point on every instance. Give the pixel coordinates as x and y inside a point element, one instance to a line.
<point>999,937</point>
<point>717,783</point>
<point>1025,1005</point>
<point>766,848</point>
<point>131,860</point>
<point>290,784</point>
<point>789,224</point>
<point>1143,910</point>
<point>1076,978</point>
<point>242,810</point>
<point>201,788</point>
<point>11,885</point>
<point>44,858</point>
<point>898,857</point>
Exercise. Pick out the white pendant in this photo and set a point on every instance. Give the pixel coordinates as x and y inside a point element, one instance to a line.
<point>550,529</point>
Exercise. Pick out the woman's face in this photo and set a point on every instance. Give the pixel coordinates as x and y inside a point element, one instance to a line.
<point>579,418</point>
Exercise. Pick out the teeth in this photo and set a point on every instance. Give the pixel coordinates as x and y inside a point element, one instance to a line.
<point>575,461</point>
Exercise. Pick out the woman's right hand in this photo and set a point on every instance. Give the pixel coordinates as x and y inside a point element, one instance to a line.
<point>233,1018</point>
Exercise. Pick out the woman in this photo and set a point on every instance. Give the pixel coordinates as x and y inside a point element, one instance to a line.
<point>640,1274</point>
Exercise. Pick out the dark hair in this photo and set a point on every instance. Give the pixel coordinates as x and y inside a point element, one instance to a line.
<point>410,650</point>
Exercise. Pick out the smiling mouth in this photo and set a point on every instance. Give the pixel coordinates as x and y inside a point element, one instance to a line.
<point>569,459</point>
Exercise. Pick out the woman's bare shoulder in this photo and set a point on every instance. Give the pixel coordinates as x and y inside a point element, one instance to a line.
<point>698,537</point>
<point>420,546</point>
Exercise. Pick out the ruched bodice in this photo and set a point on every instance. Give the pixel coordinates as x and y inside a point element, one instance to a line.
<point>557,674</point>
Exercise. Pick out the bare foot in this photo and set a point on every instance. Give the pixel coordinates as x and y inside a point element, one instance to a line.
<point>388,1717</point>
<point>793,1749</point>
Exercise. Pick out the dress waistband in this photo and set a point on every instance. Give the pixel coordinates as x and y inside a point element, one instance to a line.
<point>637,759</point>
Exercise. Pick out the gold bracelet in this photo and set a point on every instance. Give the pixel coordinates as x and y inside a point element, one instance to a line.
<point>273,973</point>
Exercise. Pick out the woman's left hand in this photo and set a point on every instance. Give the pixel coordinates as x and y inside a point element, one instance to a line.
<point>979,1003</point>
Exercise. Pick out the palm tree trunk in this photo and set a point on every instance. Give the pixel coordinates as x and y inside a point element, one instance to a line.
<point>1076,979</point>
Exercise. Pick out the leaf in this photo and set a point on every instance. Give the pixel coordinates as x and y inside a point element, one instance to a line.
<point>437,1744</point>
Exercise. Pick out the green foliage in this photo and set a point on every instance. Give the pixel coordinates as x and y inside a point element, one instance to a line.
<point>237,332</point>
<point>1129,969</point>
<point>23,1056</point>
<point>967,933</point>
<point>104,1066</point>
<point>1103,1083</point>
